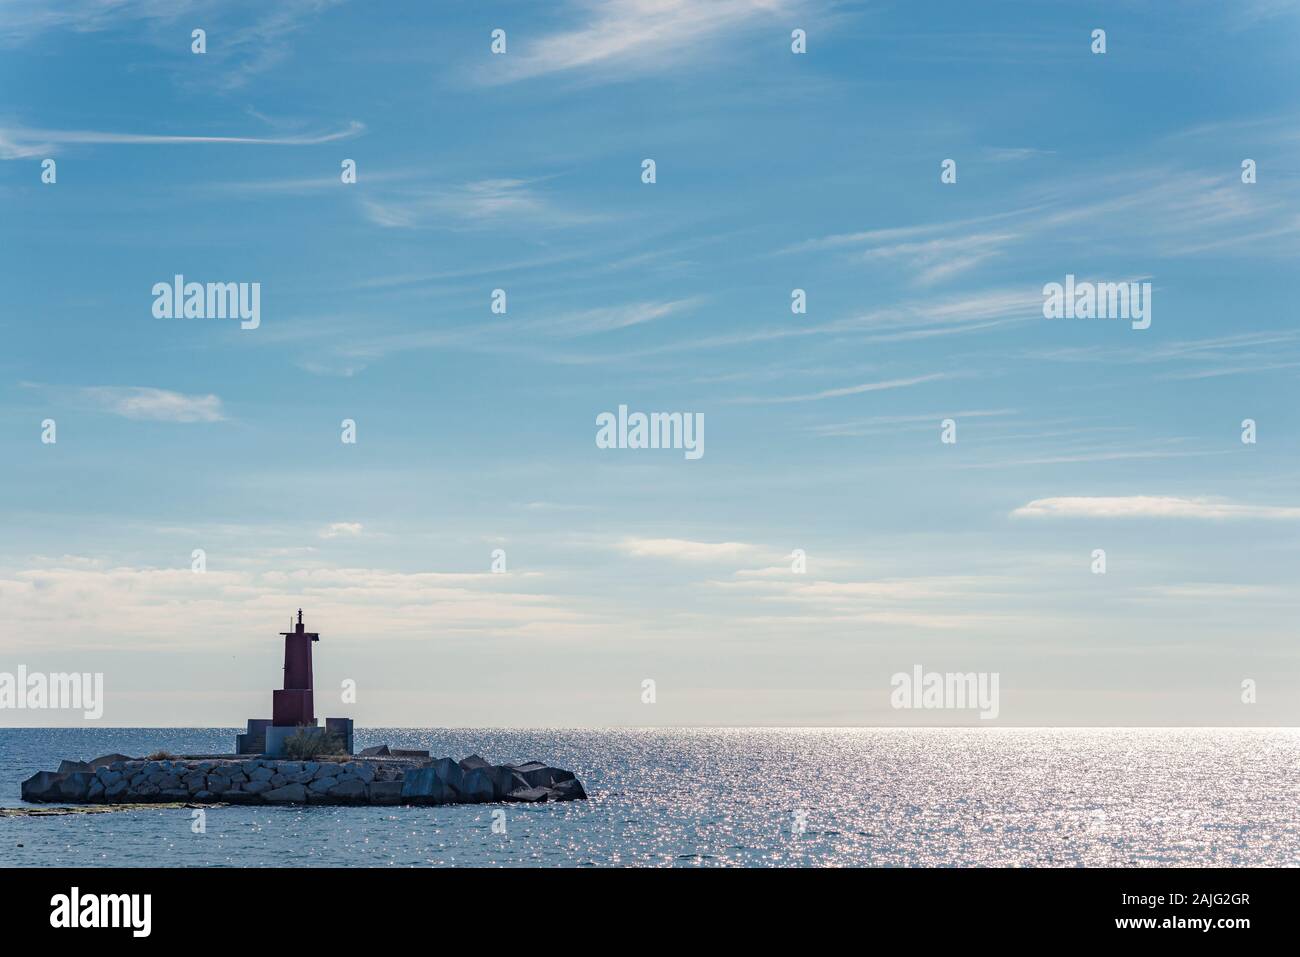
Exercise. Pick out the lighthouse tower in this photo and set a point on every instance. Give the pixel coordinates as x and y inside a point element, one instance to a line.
<point>292,706</point>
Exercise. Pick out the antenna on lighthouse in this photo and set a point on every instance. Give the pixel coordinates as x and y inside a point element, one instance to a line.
<point>300,616</point>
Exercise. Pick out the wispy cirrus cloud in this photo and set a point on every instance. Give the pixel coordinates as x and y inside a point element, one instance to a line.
<point>17,142</point>
<point>1151,506</point>
<point>254,36</point>
<point>20,22</point>
<point>924,318</point>
<point>685,550</point>
<point>1167,212</point>
<point>936,259</point>
<point>335,350</point>
<point>886,424</point>
<point>899,234</point>
<point>478,202</point>
<point>1093,454</point>
<point>631,36</point>
<point>905,321</point>
<point>750,561</point>
<point>936,602</point>
<point>298,186</point>
<point>587,322</point>
<point>126,607</point>
<point>847,390</point>
<point>342,530</point>
<point>1010,154</point>
<point>158,405</point>
<point>1211,357</point>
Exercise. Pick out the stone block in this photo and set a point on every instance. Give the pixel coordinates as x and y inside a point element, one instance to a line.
<point>423,786</point>
<point>289,794</point>
<point>477,787</point>
<point>528,795</point>
<point>472,762</point>
<point>41,786</point>
<point>351,789</point>
<point>384,792</point>
<point>570,790</point>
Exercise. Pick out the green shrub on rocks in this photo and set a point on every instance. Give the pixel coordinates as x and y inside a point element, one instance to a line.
<point>308,743</point>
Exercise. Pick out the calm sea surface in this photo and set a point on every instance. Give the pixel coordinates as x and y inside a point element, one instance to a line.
<point>752,797</point>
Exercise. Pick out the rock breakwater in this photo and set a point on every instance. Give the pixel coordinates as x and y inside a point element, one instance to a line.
<point>117,779</point>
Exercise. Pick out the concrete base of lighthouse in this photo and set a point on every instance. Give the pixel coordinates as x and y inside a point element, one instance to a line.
<point>276,736</point>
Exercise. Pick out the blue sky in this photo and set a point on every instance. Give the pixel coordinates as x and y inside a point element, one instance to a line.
<point>775,171</point>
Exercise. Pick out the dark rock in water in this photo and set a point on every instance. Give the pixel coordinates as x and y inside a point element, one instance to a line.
<point>400,753</point>
<point>478,787</point>
<point>289,794</point>
<point>46,786</point>
<point>385,792</point>
<point>423,786</point>
<point>41,786</point>
<point>104,760</point>
<point>75,786</point>
<point>448,772</point>
<point>472,762</point>
<point>528,795</point>
<point>504,779</point>
<point>65,766</point>
<point>539,775</point>
<point>107,776</point>
<point>353,789</point>
<point>570,790</point>
<point>379,752</point>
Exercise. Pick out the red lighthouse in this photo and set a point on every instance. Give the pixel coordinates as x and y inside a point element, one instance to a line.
<point>292,706</point>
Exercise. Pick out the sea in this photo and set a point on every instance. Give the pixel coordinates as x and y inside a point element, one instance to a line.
<point>729,797</point>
